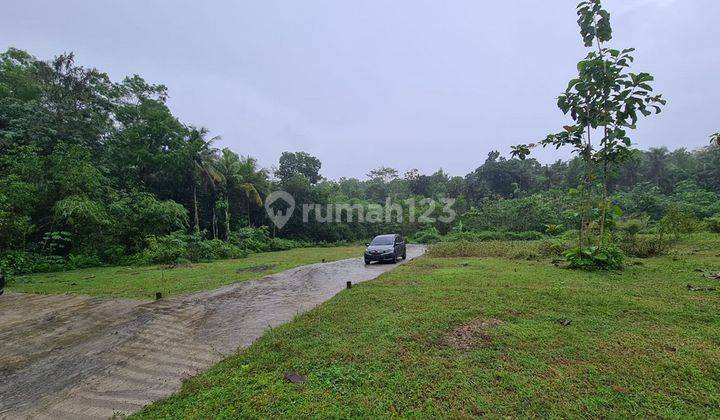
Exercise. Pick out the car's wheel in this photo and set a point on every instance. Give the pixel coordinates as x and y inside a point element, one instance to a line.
<point>404,257</point>
<point>393,260</point>
<point>367,262</point>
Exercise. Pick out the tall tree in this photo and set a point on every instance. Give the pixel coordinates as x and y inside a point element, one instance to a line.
<point>238,176</point>
<point>299,163</point>
<point>657,162</point>
<point>202,158</point>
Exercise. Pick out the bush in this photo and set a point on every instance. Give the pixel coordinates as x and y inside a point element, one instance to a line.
<point>83,261</point>
<point>22,262</point>
<point>531,213</point>
<point>492,236</point>
<point>252,239</point>
<point>166,249</point>
<point>592,258</point>
<point>553,248</point>
<point>525,236</point>
<point>178,246</point>
<point>553,229</point>
<point>498,249</point>
<point>633,226</point>
<point>646,246</point>
<point>678,222</point>
<point>429,236</point>
<point>279,244</point>
<point>713,224</point>
<point>214,249</point>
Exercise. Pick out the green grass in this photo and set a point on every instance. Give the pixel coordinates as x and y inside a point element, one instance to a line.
<point>639,344</point>
<point>143,282</point>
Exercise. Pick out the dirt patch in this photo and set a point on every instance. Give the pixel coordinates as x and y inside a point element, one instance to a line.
<point>472,334</point>
<point>255,268</point>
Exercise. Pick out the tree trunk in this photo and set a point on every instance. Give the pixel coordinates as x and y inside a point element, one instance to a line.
<point>604,202</point>
<point>195,207</point>
<point>214,223</point>
<point>227,219</point>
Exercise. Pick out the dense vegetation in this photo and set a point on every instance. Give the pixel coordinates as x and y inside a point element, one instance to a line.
<point>95,172</point>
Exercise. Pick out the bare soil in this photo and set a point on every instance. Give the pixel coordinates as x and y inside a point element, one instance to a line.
<point>64,356</point>
<point>472,334</point>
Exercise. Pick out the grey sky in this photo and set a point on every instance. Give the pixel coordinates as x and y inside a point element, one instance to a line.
<point>401,83</point>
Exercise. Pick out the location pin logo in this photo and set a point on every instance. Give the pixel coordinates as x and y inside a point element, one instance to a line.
<point>279,217</point>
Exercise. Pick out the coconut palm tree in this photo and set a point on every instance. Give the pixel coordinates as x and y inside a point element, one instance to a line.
<point>239,175</point>
<point>657,161</point>
<point>202,158</point>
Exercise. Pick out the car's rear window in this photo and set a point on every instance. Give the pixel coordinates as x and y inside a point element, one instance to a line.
<point>383,240</point>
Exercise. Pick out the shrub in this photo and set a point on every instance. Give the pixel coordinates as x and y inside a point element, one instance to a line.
<point>166,249</point>
<point>83,261</point>
<point>553,248</point>
<point>279,244</point>
<point>646,246</point>
<point>591,258</point>
<point>713,223</point>
<point>492,236</point>
<point>678,222</point>
<point>553,229</point>
<point>429,236</point>
<point>525,236</point>
<point>214,249</point>
<point>22,262</point>
<point>500,249</point>
<point>633,226</point>
<point>531,213</point>
<point>474,236</point>
<point>252,239</point>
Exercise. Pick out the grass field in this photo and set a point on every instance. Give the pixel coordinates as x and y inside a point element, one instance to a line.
<point>143,282</point>
<point>460,337</point>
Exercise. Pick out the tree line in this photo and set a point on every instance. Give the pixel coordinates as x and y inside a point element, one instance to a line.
<point>97,171</point>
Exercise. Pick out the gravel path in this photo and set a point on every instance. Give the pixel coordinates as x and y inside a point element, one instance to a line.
<point>78,357</point>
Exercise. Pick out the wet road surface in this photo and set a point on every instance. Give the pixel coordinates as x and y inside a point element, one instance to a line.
<point>78,357</point>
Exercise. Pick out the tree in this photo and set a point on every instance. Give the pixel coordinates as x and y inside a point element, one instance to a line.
<point>605,97</point>
<point>299,163</point>
<point>383,174</point>
<point>657,161</point>
<point>202,158</point>
<point>501,177</point>
<point>715,138</point>
<point>237,175</point>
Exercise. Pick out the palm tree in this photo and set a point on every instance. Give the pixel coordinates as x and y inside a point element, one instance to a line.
<point>202,167</point>
<point>715,138</point>
<point>239,175</point>
<point>656,163</point>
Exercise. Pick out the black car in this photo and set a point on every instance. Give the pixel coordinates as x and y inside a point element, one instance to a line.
<point>385,248</point>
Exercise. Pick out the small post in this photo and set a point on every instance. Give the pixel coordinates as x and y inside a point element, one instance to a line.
<point>323,260</point>
<point>349,285</point>
<point>158,295</point>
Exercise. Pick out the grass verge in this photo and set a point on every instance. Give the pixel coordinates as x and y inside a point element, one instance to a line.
<point>461,337</point>
<point>143,282</point>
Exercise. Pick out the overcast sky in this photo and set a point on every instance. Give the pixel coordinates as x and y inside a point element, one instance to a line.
<point>360,84</point>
